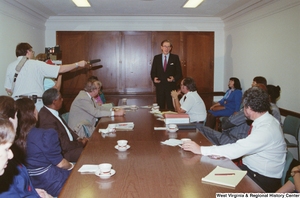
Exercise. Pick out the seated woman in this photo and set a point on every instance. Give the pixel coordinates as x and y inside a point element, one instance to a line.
<point>100,98</point>
<point>274,94</point>
<point>228,105</point>
<point>15,181</point>
<point>293,184</point>
<point>46,166</point>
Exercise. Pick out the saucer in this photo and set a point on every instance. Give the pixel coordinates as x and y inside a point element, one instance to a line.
<point>133,107</point>
<point>173,130</point>
<point>105,176</point>
<point>122,148</point>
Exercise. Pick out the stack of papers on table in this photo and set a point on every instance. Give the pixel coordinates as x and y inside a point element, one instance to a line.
<point>88,168</point>
<point>224,177</point>
<point>178,118</point>
<point>121,126</point>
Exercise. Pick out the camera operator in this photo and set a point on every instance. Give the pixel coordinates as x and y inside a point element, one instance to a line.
<point>28,81</point>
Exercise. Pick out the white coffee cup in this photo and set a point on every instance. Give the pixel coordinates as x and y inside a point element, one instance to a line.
<point>122,143</point>
<point>156,108</point>
<point>124,101</point>
<point>105,168</point>
<point>154,105</point>
<point>172,126</point>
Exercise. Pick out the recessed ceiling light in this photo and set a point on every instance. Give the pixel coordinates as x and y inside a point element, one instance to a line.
<point>192,3</point>
<point>82,3</point>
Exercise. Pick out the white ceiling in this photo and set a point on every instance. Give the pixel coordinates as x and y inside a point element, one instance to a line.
<point>208,8</point>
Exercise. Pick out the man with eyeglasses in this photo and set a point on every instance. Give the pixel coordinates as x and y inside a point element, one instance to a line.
<point>190,103</point>
<point>84,112</point>
<point>28,81</point>
<point>165,73</point>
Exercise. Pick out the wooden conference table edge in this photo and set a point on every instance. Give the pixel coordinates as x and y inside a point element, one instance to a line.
<point>247,181</point>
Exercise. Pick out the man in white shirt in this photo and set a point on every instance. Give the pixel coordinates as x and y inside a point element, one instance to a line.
<point>263,151</point>
<point>29,82</point>
<point>190,103</point>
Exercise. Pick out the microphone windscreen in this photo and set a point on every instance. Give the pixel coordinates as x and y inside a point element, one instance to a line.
<point>94,61</point>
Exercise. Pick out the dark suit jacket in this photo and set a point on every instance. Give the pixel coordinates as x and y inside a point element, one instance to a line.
<point>173,69</point>
<point>71,150</point>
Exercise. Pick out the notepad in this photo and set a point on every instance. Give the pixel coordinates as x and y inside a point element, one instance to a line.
<point>224,177</point>
<point>88,168</point>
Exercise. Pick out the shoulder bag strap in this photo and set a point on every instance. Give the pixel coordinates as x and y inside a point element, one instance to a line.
<point>18,69</point>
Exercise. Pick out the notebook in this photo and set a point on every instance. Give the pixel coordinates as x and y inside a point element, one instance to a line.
<point>224,177</point>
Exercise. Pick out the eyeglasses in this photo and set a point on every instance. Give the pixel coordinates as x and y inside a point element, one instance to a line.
<point>166,46</point>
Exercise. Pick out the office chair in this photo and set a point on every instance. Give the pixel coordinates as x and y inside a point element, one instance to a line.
<point>288,160</point>
<point>65,116</point>
<point>291,126</point>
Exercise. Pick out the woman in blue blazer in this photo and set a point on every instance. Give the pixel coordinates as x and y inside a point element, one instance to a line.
<point>231,101</point>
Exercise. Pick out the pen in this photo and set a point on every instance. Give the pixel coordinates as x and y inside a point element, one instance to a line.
<point>224,174</point>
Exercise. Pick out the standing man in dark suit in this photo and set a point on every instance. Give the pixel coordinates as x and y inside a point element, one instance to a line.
<point>70,143</point>
<point>165,73</point>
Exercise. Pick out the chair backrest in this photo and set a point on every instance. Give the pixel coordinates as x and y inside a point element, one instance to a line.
<point>65,116</point>
<point>291,126</point>
<point>288,160</point>
<point>86,131</point>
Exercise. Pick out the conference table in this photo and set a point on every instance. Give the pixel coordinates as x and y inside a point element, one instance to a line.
<point>148,168</point>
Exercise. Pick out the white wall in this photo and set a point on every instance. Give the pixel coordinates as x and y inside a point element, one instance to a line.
<point>266,42</point>
<point>17,26</point>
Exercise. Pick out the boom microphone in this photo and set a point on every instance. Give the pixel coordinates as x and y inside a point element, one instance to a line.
<point>93,61</point>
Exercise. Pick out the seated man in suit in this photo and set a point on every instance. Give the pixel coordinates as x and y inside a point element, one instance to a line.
<point>70,143</point>
<point>84,112</point>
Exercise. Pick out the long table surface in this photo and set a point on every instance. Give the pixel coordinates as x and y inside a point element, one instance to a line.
<point>148,168</point>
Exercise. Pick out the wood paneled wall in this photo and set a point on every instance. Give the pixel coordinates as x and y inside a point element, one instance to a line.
<point>127,58</point>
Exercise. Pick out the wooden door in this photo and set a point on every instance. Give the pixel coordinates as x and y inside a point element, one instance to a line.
<point>199,62</point>
<point>107,47</point>
<point>136,48</point>
<point>74,48</point>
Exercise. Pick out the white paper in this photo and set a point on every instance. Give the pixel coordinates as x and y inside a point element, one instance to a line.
<point>103,131</point>
<point>160,128</point>
<point>172,142</point>
<point>123,125</point>
<point>146,107</point>
<point>88,168</point>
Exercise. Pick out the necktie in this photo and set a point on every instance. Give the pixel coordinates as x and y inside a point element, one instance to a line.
<point>250,129</point>
<point>165,63</point>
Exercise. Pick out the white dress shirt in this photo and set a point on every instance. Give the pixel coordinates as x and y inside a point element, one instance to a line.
<point>194,106</point>
<point>263,151</point>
